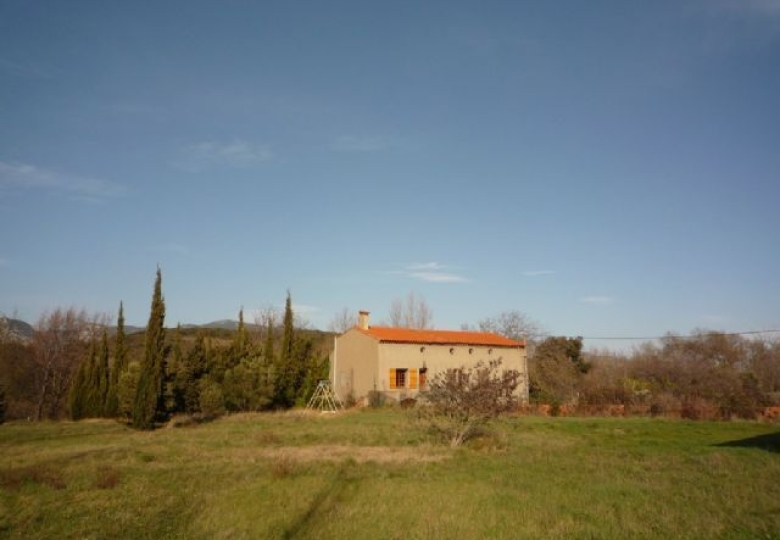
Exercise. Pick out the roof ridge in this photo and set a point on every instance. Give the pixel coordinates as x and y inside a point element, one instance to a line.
<point>432,336</point>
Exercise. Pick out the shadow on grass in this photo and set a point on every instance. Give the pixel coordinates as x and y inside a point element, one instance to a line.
<point>322,505</point>
<point>769,442</point>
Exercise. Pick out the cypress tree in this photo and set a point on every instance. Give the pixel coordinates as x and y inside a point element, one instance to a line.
<point>286,370</point>
<point>76,396</point>
<point>92,406</point>
<point>241,342</point>
<point>118,366</point>
<point>269,343</point>
<point>149,395</point>
<point>80,387</point>
<point>188,378</point>
<point>173,394</point>
<point>102,377</point>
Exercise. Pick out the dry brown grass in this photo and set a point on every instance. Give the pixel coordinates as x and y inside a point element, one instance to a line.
<point>360,454</point>
<point>45,475</point>
<point>107,478</point>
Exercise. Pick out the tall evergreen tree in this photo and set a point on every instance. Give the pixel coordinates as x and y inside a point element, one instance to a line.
<point>270,368</point>
<point>286,371</point>
<point>189,376</point>
<point>241,343</point>
<point>173,397</point>
<point>118,366</point>
<point>79,390</point>
<point>76,396</point>
<point>101,377</point>
<point>149,400</point>
<point>268,351</point>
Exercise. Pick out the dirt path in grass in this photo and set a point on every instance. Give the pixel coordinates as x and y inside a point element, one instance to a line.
<point>378,454</point>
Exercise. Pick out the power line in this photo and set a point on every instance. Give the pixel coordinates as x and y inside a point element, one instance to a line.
<point>690,336</point>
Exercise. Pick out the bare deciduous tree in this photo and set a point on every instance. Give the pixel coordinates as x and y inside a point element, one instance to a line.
<point>60,342</point>
<point>342,321</point>
<point>414,312</point>
<point>265,318</point>
<point>514,325</point>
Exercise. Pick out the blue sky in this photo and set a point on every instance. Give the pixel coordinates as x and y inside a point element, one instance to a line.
<point>608,168</point>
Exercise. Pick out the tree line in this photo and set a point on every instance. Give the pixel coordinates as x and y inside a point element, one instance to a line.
<point>707,375</point>
<point>74,368</point>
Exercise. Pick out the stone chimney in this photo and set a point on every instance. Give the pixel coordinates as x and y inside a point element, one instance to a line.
<point>363,320</point>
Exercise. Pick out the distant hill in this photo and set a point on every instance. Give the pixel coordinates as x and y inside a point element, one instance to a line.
<point>222,324</point>
<point>21,331</point>
<point>15,329</point>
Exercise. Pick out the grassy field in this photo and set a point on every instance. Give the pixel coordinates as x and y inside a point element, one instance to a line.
<point>375,474</point>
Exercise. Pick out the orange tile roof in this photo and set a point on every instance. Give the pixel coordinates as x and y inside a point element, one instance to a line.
<point>438,337</point>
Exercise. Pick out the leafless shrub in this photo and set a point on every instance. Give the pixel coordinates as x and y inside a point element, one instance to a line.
<point>459,403</point>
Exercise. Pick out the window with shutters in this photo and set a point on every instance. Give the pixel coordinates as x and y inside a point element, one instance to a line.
<point>398,378</point>
<point>423,377</point>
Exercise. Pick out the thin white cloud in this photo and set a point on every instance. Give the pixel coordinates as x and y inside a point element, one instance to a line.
<point>303,308</point>
<point>438,277</point>
<point>237,154</point>
<point>431,272</point>
<point>24,176</point>
<point>536,273</point>
<point>597,300</point>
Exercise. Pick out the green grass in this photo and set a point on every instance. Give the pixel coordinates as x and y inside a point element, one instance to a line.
<point>377,475</point>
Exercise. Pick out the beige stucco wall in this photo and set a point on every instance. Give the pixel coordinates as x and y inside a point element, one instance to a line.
<point>437,358</point>
<point>353,365</point>
<point>360,363</point>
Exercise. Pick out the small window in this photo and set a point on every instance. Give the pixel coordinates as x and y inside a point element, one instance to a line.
<point>400,378</point>
<point>490,351</point>
<point>471,350</point>
<point>422,349</point>
<point>452,350</point>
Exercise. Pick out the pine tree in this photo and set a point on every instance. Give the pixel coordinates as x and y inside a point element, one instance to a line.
<point>149,395</point>
<point>118,366</point>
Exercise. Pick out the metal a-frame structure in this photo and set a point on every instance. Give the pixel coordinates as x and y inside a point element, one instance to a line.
<point>325,399</point>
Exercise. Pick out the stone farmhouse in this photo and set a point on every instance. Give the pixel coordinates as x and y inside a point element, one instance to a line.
<point>398,362</point>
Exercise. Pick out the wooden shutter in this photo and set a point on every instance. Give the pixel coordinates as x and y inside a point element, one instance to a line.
<point>413,379</point>
<point>392,378</point>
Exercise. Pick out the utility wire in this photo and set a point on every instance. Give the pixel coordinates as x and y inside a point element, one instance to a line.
<point>691,336</point>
